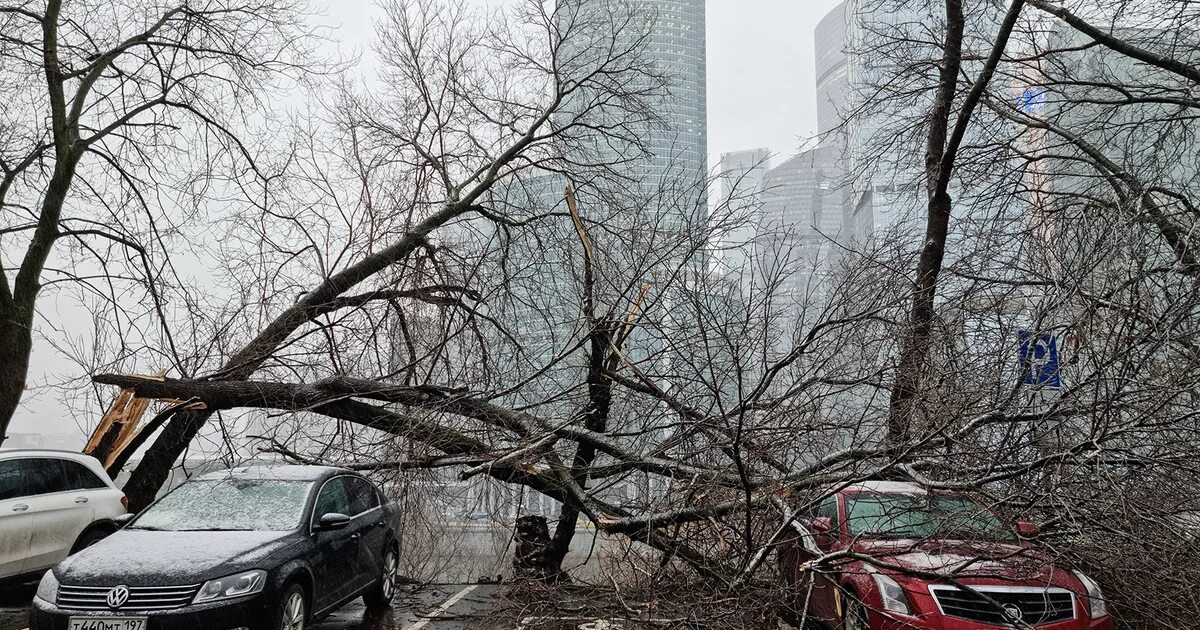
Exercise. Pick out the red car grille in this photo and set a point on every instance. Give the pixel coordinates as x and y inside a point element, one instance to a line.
<point>998,605</point>
<point>140,597</point>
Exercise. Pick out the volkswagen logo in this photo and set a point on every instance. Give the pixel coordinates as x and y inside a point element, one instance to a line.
<point>117,597</point>
<point>1013,613</point>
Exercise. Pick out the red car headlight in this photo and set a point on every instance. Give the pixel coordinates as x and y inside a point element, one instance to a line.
<point>1095,596</point>
<point>892,594</point>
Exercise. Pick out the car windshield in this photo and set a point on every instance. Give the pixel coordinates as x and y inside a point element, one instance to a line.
<point>881,515</point>
<point>228,504</point>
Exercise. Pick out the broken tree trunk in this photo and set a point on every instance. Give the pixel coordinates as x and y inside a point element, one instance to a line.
<point>118,429</point>
<point>533,558</point>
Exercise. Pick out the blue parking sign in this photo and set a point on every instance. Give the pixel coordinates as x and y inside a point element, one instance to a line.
<point>1039,359</point>
<point>1031,99</point>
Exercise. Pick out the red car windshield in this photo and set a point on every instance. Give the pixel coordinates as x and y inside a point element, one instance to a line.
<point>880,515</point>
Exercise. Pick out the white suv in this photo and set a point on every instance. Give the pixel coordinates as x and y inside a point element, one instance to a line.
<point>52,504</point>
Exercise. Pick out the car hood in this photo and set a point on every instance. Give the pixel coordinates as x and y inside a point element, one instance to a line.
<point>995,560</point>
<point>156,558</point>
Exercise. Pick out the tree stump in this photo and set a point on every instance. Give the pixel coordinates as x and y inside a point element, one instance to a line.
<point>532,559</point>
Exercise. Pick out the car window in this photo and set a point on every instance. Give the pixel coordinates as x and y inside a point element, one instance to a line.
<point>362,495</point>
<point>828,507</point>
<point>79,477</point>
<point>333,499</point>
<point>10,479</point>
<point>43,476</point>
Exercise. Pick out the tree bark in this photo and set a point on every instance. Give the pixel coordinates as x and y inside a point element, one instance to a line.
<point>16,343</point>
<point>595,414</point>
<point>16,311</point>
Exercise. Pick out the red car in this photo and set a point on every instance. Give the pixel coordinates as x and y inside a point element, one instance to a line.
<point>906,557</point>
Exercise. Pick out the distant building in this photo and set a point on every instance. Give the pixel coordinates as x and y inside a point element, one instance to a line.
<point>677,146</point>
<point>802,208</point>
<point>662,191</point>
<point>800,223</point>
<point>741,176</point>
<point>833,88</point>
<point>883,174</point>
<point>662,188</point>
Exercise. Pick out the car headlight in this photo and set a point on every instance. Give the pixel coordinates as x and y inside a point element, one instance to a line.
<point>48,588</point>
<point>1095,597</point>
<point>892,594</point>
<point>230,586</point>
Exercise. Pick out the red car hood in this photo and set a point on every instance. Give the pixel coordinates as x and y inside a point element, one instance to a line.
<point>995,560</point>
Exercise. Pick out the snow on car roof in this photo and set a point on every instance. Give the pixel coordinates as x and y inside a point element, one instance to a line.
<point>283,472</point>
<point>44,452</point>
<point>890,487</point>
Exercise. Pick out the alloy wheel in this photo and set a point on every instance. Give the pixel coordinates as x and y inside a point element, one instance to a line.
<point>293,612</point>
<point>390,564</point>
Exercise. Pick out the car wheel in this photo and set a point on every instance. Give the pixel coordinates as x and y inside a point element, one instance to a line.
<point>293,610</point>
<point>854,614</point>
<point>89,538</point>
<point>381,593</point>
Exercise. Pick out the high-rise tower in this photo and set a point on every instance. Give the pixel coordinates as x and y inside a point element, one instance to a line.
<point>677,47</point>
<point>833,87</point>
<point>658,162</point>
<point>673,150</point>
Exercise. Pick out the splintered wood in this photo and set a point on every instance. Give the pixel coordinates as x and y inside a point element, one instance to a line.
<point>119,427</point>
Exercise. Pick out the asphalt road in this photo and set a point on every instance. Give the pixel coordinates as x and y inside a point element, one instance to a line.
<point>457,607</point>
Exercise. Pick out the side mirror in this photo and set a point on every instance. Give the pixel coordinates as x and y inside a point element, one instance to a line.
<point>332,521</point>
<point>123,520</point>
<point>822,525</point>
<point>1027,529</point>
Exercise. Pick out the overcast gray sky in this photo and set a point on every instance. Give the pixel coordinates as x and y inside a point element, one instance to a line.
<point>760,94</point>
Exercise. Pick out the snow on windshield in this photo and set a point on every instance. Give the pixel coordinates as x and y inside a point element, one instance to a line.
<point>228,504</point>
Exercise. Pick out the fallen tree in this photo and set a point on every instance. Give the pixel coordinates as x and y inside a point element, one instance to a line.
<point>591,353</point>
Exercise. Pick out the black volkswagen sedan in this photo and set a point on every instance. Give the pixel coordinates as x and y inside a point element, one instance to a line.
<point>263,548</point>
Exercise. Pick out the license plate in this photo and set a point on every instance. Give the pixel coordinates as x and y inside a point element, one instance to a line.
<point>106,623</point>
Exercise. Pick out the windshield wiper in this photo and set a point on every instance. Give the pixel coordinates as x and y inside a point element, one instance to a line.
<point>881,534</point>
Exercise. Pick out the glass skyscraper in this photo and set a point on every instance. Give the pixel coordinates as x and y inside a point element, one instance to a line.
<point>672,150</point>
<point>833,88</point>
<point>645,184</point>
<point>678,49</point>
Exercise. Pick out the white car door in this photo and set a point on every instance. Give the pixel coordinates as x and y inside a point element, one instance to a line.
<point>106,501</point>
<point>58,511</point>
<point>16,525</point>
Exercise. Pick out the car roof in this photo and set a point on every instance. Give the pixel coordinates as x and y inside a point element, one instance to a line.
<point>282,472</point>
<point>6,453</point>
<point>887,487</point>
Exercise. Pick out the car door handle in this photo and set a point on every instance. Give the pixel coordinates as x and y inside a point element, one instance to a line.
<point>20,507</point>
<point>355,536</point>
<point>81,499</point>
<point>381,524</point>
